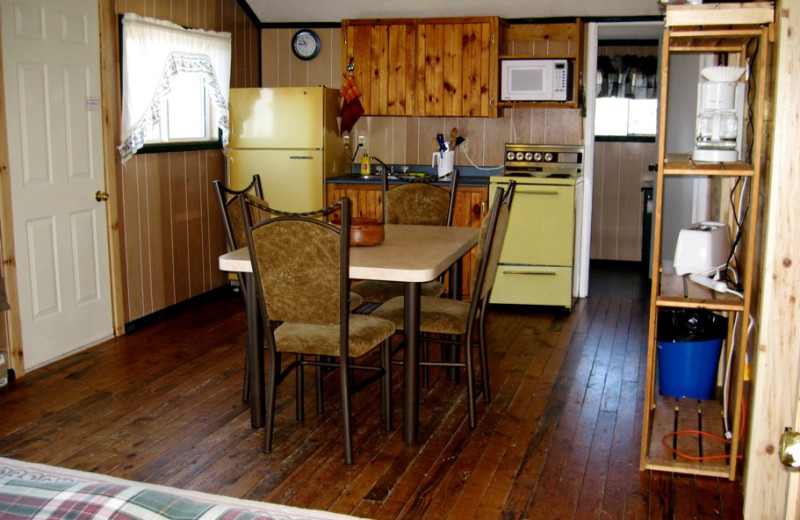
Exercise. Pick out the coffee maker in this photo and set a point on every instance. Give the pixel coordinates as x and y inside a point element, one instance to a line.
<point>720,114</point>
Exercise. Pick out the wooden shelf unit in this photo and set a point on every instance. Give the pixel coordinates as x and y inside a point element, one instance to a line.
<point>745,41</point>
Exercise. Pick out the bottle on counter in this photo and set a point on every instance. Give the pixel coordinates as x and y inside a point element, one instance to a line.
<point>366,168</point>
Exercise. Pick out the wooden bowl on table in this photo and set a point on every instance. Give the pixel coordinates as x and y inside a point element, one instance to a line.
<point>366,232</point>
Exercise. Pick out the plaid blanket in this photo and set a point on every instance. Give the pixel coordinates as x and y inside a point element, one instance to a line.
<point>44,492</point>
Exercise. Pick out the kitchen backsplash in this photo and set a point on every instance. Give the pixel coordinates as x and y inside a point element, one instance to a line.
<point>410,140</point>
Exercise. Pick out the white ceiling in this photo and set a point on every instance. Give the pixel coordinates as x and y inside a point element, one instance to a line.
<point>306,11</point>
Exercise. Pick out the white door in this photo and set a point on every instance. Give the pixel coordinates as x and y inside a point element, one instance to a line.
<point>51,57</point>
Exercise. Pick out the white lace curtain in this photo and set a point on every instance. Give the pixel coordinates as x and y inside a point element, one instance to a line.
<point>152,52</point>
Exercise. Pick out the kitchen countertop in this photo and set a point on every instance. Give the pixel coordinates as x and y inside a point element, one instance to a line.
<point>463,180</point>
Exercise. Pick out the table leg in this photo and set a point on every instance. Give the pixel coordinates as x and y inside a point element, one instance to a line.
<point>255,355</point>
<point>411,364</point>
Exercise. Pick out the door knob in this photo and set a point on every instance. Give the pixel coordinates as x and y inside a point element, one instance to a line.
<point>100,196</point>
<point>789,450</point>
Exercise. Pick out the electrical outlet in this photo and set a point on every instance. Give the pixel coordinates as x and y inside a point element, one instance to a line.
<point>465,146</point>
<point>346,139</point>
<point>362,139</point>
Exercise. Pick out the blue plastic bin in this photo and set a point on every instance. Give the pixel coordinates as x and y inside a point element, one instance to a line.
<point>688,369</point>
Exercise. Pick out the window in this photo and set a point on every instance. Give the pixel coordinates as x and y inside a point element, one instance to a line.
<point>187,113</point>
<point>175,84</point>
<point>626,103</point>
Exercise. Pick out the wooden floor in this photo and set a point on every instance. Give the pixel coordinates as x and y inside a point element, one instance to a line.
<point>559,440</point>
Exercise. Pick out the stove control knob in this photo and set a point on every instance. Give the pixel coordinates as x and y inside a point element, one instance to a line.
<point>528,156</point>
<point>520,156</point>
<point>548,157</point>
<point>537,156</point>
<point>509,156</point>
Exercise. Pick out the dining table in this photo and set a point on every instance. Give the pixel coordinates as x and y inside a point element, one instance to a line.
<point>411,254</point>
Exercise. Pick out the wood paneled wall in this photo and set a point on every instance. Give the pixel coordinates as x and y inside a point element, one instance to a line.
<point>620,168</point>
<point>410,140</point>
<point>171,229</point>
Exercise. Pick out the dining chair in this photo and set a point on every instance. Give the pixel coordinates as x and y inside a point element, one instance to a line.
<point>301,271</point>
<point>454,321</point>
<point>420,203</point>
<point>231,213</point>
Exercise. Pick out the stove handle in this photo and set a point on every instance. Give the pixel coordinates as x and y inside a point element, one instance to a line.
<point>537,191</point>
<point>529,273</point>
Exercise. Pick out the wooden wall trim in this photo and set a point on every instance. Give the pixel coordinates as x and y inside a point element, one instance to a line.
<point>109,80</point>
<point>9,267</point>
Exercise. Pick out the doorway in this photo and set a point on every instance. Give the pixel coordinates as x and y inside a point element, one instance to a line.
<point>616,169</point>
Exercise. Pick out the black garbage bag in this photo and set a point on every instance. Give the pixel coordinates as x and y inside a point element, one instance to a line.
<point>688,325</point>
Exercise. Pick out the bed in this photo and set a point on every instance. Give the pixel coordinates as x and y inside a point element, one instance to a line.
<point>29,490</point>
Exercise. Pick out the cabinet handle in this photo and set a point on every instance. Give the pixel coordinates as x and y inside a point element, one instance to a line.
<point>542,273</point>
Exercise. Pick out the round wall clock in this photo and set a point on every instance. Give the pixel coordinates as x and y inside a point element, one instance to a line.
<point>305,44</point>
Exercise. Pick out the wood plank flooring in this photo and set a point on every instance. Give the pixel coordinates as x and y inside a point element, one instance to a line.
<point>560,438</point>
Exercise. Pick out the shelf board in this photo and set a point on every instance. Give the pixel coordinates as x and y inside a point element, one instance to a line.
<point>754,13</point>
<point>673,293</point>
<point>670,415</point>
<point>537,104</point>
<point>682,164</point>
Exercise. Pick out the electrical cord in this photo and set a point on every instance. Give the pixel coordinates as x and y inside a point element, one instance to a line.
<point>483,168</point>
<point>353,158</point>
<point>704,434</point>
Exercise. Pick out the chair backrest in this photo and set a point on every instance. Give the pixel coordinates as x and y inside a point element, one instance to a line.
<point>231,210</point>
<point>300,263</point>
<point>419,203</point>
<point>490,243</point>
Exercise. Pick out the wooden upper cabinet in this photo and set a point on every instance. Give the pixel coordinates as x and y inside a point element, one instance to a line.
<point>424,67</point>
<point>457,67</point>
<point>380,54</point>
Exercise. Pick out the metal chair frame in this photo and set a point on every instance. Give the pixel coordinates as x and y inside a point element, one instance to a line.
<point>227,198</point>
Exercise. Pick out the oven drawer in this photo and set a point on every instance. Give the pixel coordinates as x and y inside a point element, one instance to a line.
<point>533,285</point>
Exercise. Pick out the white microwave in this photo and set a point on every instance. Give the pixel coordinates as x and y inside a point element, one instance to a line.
<point>535,80</point>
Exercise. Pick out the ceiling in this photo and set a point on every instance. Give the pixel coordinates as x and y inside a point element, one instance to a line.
<point>315,11</point>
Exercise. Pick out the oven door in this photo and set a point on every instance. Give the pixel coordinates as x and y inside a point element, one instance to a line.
<point>542,225</point>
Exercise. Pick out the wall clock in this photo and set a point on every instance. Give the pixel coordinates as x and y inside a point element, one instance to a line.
<point>305,44</point>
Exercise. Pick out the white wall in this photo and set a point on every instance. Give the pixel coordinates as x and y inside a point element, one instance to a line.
<point>681,111</point>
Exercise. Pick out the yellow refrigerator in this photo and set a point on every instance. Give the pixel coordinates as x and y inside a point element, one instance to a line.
<point>290,137</point>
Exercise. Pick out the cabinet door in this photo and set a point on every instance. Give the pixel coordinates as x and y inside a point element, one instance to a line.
<point>470,208</point>
<point>366,199</point>
<point>381,54</point>
<point>457,67</point>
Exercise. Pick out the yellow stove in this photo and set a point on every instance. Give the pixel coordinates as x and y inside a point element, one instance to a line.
<point>537,261</point>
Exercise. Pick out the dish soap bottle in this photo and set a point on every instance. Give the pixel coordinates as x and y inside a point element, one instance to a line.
<point>366,169</point>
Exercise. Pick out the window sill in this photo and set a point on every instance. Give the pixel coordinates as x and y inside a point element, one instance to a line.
<point>180,147</point>
<point>626,138</point>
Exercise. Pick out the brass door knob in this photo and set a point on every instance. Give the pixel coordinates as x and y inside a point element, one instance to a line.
<point>100,196</point>
<point>789,450</point>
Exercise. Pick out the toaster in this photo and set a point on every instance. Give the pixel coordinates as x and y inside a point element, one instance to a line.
<point>702,247</point>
